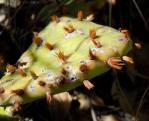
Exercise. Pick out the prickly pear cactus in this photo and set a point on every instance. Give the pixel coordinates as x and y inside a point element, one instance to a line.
<point>64,55</point>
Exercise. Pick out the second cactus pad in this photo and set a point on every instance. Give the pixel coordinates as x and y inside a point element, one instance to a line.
<point>64,54</point>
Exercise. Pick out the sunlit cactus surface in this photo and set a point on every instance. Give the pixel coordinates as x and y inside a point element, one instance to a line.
<point>68,52</point>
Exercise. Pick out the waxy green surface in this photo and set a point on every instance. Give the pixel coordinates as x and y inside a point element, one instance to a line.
<point>48,67</point>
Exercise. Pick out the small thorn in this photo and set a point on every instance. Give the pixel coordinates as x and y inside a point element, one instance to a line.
<point>66,29</point>
<point>61,80</point>
<point>33,74</point>
<point>125,32</point>
<point>80,15</point>
<point>10,68</point>
<point>55,18</point>
<point>50,86</point>
<point>69,29</point>
<point>64,72</point>
<point>128,59</point>
<point>83,68</point>
<point>35,34</point>
<point>90,17</point>
<point>20,63</point>
<point>41,83</point>
<point>92,34</point>
<point>21,72</point>
<point>49,97</point>
<point>138,45</point>
<point>91,55</point>
<point>96,43</point>
<point>115,63</point>
<point>88,84</point>
<point>49,46</point>
<point>37,40</point>
<point>18,92</point>
<point>61,56</point>
<point>2,90</point>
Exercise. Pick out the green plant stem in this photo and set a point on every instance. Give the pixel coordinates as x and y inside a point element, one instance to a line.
<point>122,92</point>
<point>141,103</point>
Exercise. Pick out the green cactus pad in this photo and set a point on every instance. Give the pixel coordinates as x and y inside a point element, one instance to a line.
<point>63,55</point>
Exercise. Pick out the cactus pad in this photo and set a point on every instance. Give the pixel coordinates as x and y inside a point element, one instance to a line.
<point>63,55</point>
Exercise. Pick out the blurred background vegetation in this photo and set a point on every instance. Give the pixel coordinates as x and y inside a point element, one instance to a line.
<point>120,96</point>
